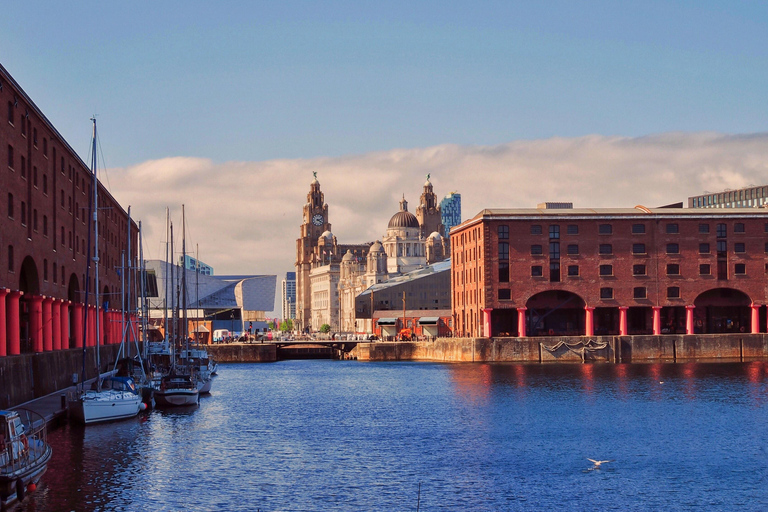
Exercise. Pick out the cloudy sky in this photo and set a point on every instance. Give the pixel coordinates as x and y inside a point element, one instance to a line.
<point>228,107</point>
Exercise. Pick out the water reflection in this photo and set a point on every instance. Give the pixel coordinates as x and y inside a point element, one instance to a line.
<point>315,435</point>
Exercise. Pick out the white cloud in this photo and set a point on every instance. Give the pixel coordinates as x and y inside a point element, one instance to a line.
<point>245,216</point>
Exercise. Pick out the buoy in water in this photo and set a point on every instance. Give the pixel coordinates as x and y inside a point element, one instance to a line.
<point>31,487</point>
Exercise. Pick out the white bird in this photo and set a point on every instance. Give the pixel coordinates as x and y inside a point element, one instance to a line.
<point>597,463</point>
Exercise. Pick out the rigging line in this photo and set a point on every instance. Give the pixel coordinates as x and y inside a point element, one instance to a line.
<point>103,163</point>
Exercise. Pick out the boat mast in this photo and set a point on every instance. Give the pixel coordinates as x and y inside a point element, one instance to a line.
<point>174,325</point>
<point>165,298</point>
<point>184,279</point>
<point>197,294</point>
<point>127,290</point>
<point>96,254</point>
<point>143,292</point>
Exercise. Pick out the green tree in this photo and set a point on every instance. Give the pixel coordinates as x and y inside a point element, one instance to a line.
<point>325,328</point>
<point>286,325</point>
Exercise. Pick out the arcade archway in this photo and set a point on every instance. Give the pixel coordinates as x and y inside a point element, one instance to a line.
<point>29,283</point>
<point>722,310</point>
<point>555,313</point>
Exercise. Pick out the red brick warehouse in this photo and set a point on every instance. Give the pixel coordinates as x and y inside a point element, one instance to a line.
<point>44,200</point>
<point>538,272</point>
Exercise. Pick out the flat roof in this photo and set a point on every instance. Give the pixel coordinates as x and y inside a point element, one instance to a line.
<point>638,212</point>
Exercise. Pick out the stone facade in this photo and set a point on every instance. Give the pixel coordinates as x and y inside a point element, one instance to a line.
<point>330,275</point>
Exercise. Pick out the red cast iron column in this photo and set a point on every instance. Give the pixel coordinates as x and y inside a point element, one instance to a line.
<point>12,322</point>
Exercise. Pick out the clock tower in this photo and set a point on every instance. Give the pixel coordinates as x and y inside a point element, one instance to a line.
<point>315,223</point>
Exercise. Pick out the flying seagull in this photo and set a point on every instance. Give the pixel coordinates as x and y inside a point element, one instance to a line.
<point>597,463</point>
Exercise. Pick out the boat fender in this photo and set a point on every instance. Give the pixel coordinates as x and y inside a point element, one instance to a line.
<point>20,490</point>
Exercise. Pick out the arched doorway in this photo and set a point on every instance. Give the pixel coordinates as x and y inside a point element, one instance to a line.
<point>73,289</point>
<point>722,310</point>
<point>555,313</point>
<point>29,283</point>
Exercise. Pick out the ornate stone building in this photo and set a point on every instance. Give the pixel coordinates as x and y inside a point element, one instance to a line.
<point>329,276</point>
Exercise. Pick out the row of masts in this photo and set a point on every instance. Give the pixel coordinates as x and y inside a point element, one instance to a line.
<point>125,274</point>
<point>179,309</point>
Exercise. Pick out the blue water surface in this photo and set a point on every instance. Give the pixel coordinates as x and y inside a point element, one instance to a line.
<point>354,436</point>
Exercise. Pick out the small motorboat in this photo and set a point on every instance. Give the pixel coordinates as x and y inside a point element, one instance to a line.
<point>176,390</point>
<point>24,453</point>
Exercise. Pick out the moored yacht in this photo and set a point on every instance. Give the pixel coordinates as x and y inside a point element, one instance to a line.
<point>117,399</point>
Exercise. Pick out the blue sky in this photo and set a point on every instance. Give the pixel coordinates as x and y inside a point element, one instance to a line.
<point>229,107</point>
<point>256,81</point>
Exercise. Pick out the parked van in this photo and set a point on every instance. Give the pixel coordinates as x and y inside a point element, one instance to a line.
<point>221,335</point>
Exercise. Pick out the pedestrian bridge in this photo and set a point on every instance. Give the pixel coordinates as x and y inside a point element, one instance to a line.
<point>314,349</point>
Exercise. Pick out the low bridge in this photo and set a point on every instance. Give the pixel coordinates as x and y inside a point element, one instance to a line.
<point>314,349</point>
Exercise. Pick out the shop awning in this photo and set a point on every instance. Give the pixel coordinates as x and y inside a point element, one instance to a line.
<point>387,321</point>
<point>429,320</point>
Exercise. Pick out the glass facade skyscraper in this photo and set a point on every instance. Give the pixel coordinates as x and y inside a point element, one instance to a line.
<point>450,208</point>
<point>289,296</point>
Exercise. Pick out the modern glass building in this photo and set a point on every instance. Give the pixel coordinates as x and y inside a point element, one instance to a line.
<point>450,208</point>
<point>749,197</point>
<point>289,296</point>
<point>190,263</point>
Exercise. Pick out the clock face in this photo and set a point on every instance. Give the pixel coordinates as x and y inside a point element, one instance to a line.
<point>317,219</point>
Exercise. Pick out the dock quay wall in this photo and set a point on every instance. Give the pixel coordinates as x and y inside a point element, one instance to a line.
<point>243,353</point>
<point>575,349</point>
<point>26,377</point>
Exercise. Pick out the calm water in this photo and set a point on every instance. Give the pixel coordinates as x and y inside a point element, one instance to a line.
<point>335,435</point>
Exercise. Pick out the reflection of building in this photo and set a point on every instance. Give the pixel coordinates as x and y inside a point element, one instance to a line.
<point>230,302</point>
<point>749,197</point>
<point>191,263</point>
<point>330,275</point>
<point>45,234</point>
<point>289,296</point>
<point>450,208</point>
<point>610,271</point>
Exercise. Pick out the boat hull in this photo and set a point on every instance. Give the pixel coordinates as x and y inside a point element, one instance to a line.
<point>24,454</point>
<point>91,408</point>
<point>176,397</point>
<point>204,386</point>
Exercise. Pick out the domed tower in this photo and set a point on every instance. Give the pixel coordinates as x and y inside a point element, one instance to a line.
<point>403,243</point>
<point>347,265</point>
<point>428,212</point>
<point>376,270</point>
<point>326,248</point>
<point>435,248</point>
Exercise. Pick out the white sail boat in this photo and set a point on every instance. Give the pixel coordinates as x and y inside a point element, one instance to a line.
<point>112,398</point>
